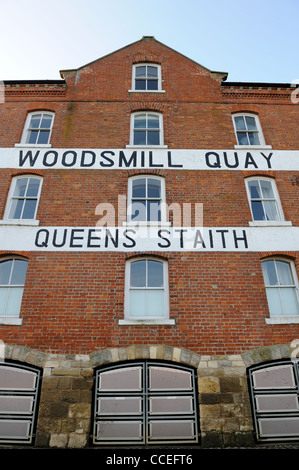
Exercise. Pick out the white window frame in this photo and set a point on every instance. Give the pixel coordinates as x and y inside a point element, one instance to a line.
<point>259,132</point>
<point>281,220</point>
<point>161,133</point>
<point>10,198</point>
<point>162,201</point>
<point>27,129</point>
<point>159,78</point>
<point>275,319</point>
<point>145,320</point>
<point>13,319</point>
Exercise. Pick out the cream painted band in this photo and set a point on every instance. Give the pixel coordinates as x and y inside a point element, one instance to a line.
<point>264,159</point>
<point>147,239</point>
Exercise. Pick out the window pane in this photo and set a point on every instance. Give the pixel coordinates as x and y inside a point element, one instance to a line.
<point>140,121</point>
<point>242,138</point>
<point>166,378</point>
<point>269,273</point>
<point>119,430</point>
<point>5,269</point>
<point>290,301</point>
<point>164,405</point>
<point>20,187</point>
<point>152,72</point>
<point>29,209</point>
<point>3,299</point>
<point>139,138</point>
<point>254,189</point>
<point>240,123</point>
<point>119,406</point>
<point>153,211</point>
<point>280,377</point>
<point>253,138</point>
<point>155,274</point>
<point>14,429</point>
<point>19,272</point>
<point>127,378</point>
<point>138,274</point>
<point>155,303</point>
<point>251,124</point>
<point>267,189</point>
<point>12,378</point>
<point>284,273</point>
<point>137,303</point>
<point>153,138</point>
<point>279,426</point>
<point>35,121</point>
<point>171,429</point>
<point>139,211</point>
<point>140,85</point>
<point>14,301</point>
<point>140,71</point>
<point>257,210</point>
<point>153,121</point>
<point>152,84</point>
<point>33,187</point>
<point>277,403</point>
<point>138,188</point>
<point>154,188</point>
<point>14,404</point>
<point>271,210</point>
<point>46,121</point>
<point>16,209</point>
<point>43,137</point>
<point>274,302</point>
<point>32,137</point>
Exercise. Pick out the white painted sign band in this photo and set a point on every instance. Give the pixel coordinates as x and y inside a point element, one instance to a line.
<point>177,159</point>
<point>147,239</point>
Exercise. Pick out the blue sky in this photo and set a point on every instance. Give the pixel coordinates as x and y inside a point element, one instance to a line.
<point>255,41</point>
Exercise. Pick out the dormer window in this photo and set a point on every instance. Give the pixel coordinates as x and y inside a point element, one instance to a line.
<point>146,77</point>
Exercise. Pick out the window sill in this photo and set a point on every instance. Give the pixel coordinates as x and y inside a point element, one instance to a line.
<point>146,91</point>
<point>269,223</point>
<point>146,147</point>
<point>281,320</point>
<point>33,145</point>
<point>25,222</point>
<point>253,147</point>
<point>146,322</point>
<point>10,321</point>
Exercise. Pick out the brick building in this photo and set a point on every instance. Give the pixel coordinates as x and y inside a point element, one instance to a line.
<point>149,256</point>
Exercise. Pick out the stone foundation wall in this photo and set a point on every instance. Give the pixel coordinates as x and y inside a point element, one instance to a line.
<point>65,408</point>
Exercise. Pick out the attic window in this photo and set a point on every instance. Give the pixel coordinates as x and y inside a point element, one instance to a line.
<point>146,77</point>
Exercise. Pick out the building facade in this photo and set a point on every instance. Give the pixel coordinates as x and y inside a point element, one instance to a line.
<point>148,256</point>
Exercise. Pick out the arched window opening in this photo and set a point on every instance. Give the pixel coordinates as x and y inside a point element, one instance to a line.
<point>145,402</point>
<point>274,390</point>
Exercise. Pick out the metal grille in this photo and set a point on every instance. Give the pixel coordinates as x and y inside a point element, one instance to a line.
<point>274,390</point>
<point>145,403</point>
<point>19,392</point>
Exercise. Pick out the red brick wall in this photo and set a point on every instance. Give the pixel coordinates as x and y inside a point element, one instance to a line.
<point>72,301</point>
